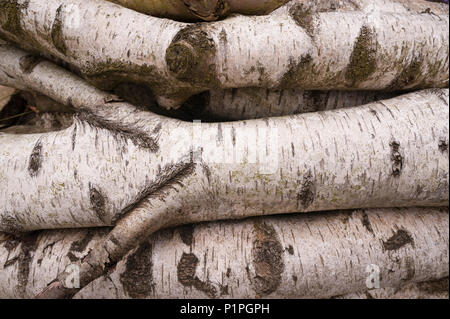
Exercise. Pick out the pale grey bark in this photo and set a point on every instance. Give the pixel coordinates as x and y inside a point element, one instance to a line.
<point>391,154</point>
<point>333,45</point>
<point>314,256</point>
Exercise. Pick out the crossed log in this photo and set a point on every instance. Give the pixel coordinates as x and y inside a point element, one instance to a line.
<point>119,166</point>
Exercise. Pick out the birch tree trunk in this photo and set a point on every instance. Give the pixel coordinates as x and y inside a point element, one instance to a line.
<point>329,45</point>
<point>298,256</point>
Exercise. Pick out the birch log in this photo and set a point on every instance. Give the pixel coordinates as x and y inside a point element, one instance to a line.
<point>120,166</point>
<point>114,157</point>
<point>209,10</point>
<point>298,256</point>
<point>383,44</point>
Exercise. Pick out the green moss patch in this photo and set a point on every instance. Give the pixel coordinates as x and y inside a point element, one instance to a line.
<point>363,58</point>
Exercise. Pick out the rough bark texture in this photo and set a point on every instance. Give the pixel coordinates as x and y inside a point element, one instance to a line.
<point>297,256</point>
<point>112,143</point>
<point>371,156</point>
<point>383,44</point>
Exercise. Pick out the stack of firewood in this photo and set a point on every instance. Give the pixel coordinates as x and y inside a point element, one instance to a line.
<point>136,136</point>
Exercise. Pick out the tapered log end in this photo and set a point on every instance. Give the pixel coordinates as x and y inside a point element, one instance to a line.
<point>191,57</point>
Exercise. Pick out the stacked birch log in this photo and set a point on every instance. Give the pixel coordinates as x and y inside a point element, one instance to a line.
<point>164,143</point>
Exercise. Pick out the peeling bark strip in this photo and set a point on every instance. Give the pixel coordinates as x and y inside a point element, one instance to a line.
<point>135,134</point>
<point>35,160</point>
<point>396,158</point>
<point>398,240</point>
<point>186,269</point>
<point>267,259</point>
<point>80,245</point>
<point>137,279</point>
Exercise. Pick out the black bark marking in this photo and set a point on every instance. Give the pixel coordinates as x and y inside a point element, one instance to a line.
<point>396,158</point>
<point>56,33</point>
<point>79,246</point>
<point>74,136</point>
<point>375,113</point>
<point>137,279</point>
<point>267,259</point>
<point>443,145</point>
<point>398,240</point>
<point>307,191</point>
<point>136,135</point>
<point>186,275</point>
<point>233,136</point>
<point>27,63</point>
<point>366,222</point>
<point>186,234</point>
<point>170,175</point>
<point>290,250</point>
<point>98,202</point>
<point>35,161</point>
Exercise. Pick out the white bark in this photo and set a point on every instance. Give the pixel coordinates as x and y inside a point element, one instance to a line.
<point>149,172</point>
<point>297,256</point>
<point>390,153</point>
<point>386,44</point>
